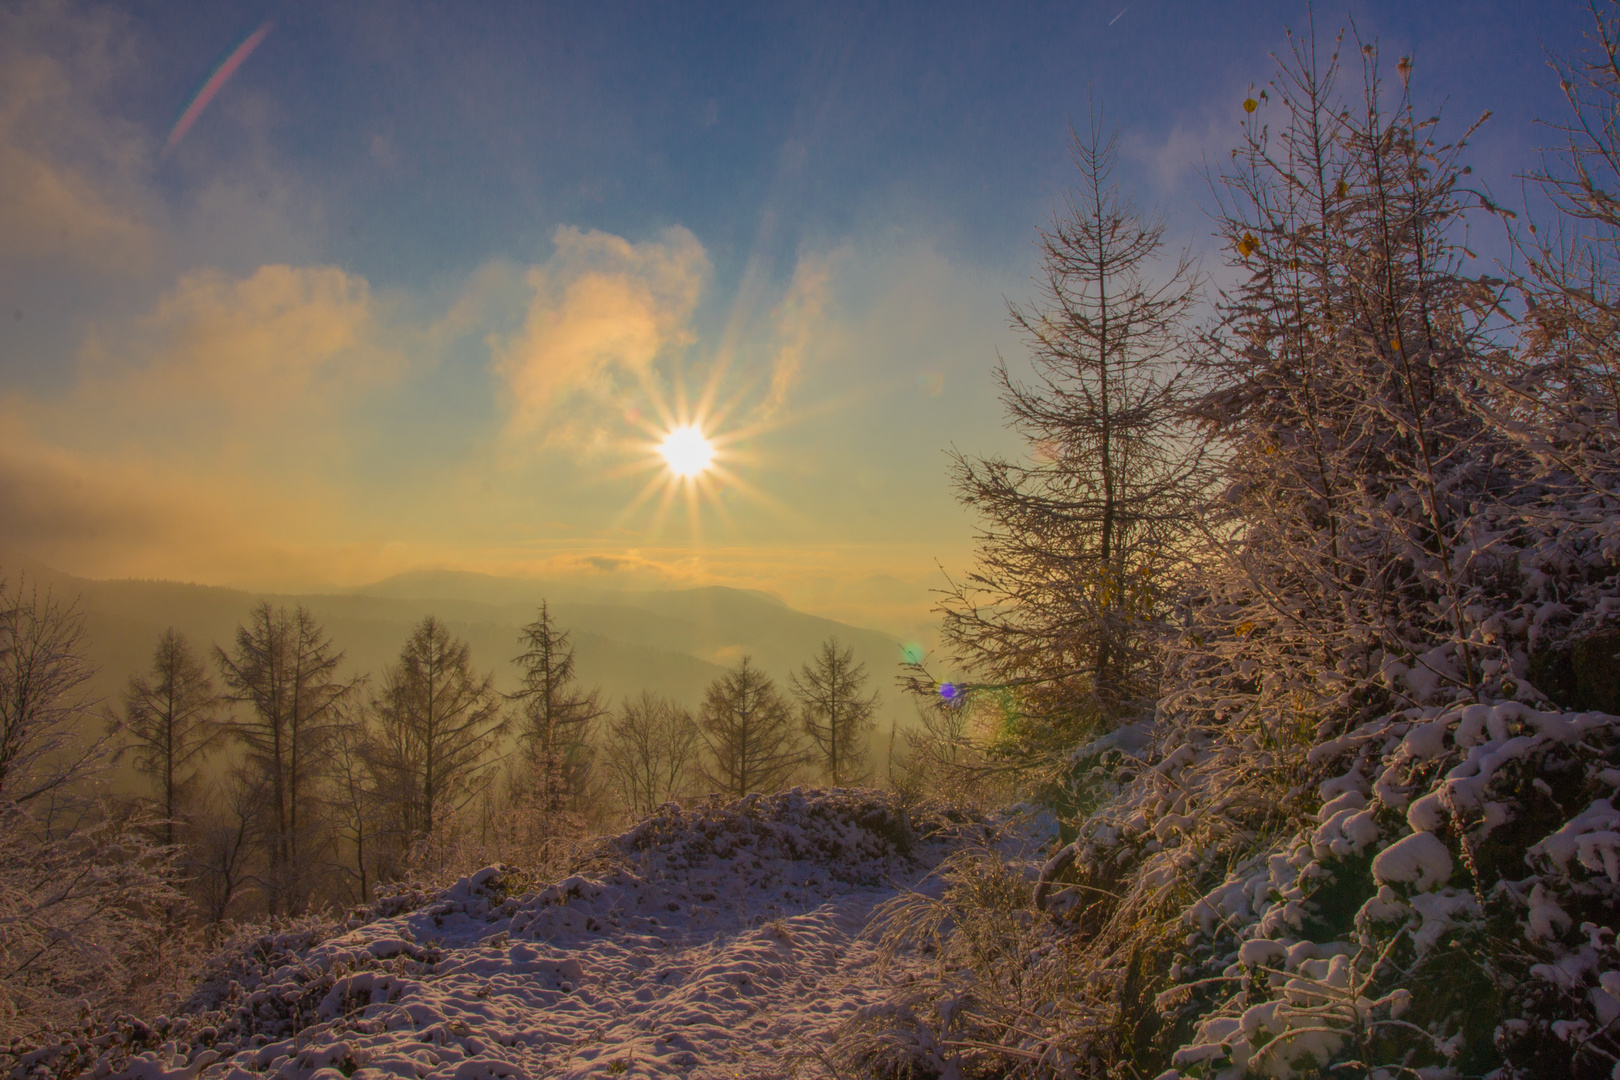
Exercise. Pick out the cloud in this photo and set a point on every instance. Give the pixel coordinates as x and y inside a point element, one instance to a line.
<point>603,312</point>
<point>205,438</point>
<point>1180,156</point>
<point>254,367</point>
<point>111,516</point>
<point>70,172</point>
<point>798,318</point>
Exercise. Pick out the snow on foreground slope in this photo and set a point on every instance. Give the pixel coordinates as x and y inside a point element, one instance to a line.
<point>718,942</point>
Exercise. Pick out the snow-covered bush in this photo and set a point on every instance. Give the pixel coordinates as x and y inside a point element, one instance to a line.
<point>86,897</point>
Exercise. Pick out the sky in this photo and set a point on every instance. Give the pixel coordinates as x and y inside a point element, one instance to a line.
<point>416,285</point>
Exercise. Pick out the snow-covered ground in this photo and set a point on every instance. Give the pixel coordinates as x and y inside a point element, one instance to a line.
<point>718,942</point>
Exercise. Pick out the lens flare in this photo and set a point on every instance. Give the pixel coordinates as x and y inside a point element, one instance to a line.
<point>687,452</point>
<point>225,70</point>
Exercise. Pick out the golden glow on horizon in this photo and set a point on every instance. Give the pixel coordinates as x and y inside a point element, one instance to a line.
<point>686,451</point>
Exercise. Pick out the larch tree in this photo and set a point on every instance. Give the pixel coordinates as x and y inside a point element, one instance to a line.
<point>170,718</point>
<point>750,732</point>
<point>555,716</point>
<point>1358,570</point>
<point>836,712</point>
<point>1080,539</point>
<point>650,749</point>
<point>438,722</point>
<point>285,670</point>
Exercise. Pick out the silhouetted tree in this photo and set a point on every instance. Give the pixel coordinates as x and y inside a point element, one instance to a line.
<point>749,729</point>
<point>226,839</point>
<point>284,669</point>
<point>836,714</point>
<point>437,725</point>
<point>650,750</point>
<point>171,721</point>
<point>43,672</point>
<point>555,716</point>
<point>359,809</point>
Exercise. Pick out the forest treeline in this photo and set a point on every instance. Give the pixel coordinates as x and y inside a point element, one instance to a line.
<point>277,785</point>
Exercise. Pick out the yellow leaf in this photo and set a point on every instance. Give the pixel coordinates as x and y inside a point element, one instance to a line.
<point>1341,189</point>
<point>1245,629</point>
<point>1249,104</point>
<point>1247,245</point>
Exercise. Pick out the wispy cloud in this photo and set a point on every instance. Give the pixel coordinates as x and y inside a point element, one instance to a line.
<point>603,311</point>
<point>797,320</point>
<point>69,172</point>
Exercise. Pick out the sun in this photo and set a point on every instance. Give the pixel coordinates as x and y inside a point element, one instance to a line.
<point>687,451</point>
<point>698,454</point>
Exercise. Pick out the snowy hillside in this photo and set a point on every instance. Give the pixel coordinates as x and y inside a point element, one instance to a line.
<point>713,942</point>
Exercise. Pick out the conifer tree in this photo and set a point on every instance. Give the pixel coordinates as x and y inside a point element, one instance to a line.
<point>835,712</point>
<point>1080,540</point>
<point>171,718</point>
<point>748,727</point>
<point>437,724</point>
<point>555,715</point>
<point>284,669</point>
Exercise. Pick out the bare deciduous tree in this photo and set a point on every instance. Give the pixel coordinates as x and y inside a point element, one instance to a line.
<point>43,672</point>
<point>82,891</point>
<point>226,841</point>
<point>650,750</point>
<point>359,811</point>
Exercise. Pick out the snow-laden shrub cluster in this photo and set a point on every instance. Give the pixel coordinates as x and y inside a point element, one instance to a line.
<point>855,834</point>
<point>1450,904</point>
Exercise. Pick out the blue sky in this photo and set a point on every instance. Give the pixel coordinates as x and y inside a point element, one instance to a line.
<point>417,283</point>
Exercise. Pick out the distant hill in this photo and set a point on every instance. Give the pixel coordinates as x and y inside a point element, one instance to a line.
<point>673,642</point>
